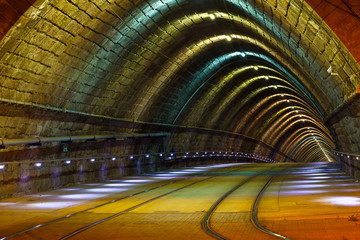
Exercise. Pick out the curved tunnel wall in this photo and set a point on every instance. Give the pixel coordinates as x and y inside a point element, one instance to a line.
<point>234,68</point>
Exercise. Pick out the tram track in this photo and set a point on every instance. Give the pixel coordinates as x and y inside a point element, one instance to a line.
<point>136,203</point>
<point>205,222</point>
<point>45,224</point>
<point>253,214</point>
<point>82,211</point>
<point>254,211</point>
<point>86,227</point>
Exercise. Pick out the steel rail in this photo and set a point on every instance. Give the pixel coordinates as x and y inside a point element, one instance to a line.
<point>97,206</point>
<point>91,208</point>
<point>254,211</point>
<point>206,220</point>
<point>85,210</point>
<point>84,228</point>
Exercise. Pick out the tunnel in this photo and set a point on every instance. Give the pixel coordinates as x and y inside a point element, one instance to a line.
<point>124,98</point>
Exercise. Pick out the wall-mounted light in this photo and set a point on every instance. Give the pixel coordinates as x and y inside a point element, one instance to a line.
<point>332,71</point>
<point>2,166</point>
<point>114,158</point>
<point>131,157</point>
<point>92,160</point>
<point>38,164</point>
<point>147,155</point>
<point>67,161</point>
<point>160,154</point>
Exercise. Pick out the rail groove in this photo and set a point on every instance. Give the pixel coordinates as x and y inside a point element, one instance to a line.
<point>254,211</point>
<point>206,220</point>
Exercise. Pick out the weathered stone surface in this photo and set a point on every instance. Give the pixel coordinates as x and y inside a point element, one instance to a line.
<point>143,61</point>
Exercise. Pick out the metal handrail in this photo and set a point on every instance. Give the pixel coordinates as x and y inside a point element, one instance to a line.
<point>357,155</point>
<point>39,140</point>
<point>194,154</point>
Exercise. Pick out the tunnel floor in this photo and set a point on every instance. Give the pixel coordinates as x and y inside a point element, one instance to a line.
<point>296,201</point>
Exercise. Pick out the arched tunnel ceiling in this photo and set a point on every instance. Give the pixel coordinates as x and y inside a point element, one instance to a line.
<point>256,68</point>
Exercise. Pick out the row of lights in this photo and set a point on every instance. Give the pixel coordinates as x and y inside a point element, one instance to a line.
<point>348,156</point>
<point>39,164</point>
<point>187,154</point>
<point>224,154</point>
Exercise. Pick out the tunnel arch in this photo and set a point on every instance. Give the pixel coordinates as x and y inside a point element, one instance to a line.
<point>143,63</point>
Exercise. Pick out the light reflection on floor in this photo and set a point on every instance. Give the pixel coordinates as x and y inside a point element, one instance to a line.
<point>66,197</point>
<point>302,181</point>
<point>138,180</point>
<point>325,184</point>
<point>301,192</point>
<point>7,203</point>
<point>82,196</point>
<point>106,190</point>
<point>324,177</point>
<point>343,201</point>
<point>302,186</point>
<point>117,184</point>
<point>50,205</point>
